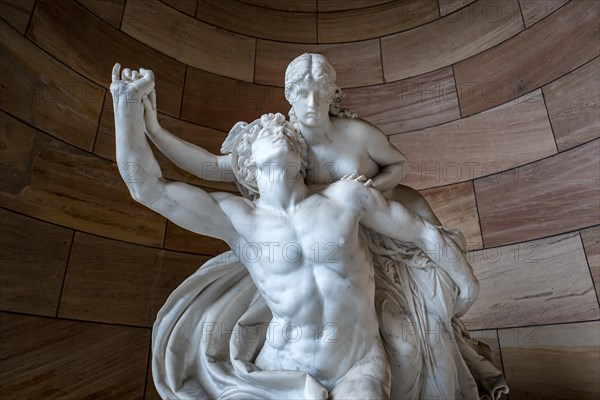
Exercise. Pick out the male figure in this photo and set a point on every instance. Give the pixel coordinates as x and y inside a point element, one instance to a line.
<point>338,142</point>
<point>303,288</point>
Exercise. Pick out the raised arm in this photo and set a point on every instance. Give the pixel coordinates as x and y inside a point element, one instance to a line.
<point>185,155</point>
<point>185,205</point>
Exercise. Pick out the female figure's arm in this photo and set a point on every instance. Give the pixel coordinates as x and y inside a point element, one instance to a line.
<point>187,206</point>
<point>393,168</point>
<point>185,155</point>
<point>390,160</point>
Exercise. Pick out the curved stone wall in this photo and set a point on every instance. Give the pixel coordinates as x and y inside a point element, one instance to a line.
<point>495,103</point>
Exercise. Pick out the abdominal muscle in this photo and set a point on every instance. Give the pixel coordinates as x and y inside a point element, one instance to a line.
<point>325,335</point>
<point>316,350</point>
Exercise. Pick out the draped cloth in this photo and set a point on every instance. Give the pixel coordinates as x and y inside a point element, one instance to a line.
<point>429,349</point>
<point>213,326</point>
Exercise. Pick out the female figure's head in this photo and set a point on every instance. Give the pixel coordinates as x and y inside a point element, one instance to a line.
<point>311,90</point>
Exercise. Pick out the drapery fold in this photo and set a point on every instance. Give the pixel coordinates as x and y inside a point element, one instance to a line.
<point>214,324</point>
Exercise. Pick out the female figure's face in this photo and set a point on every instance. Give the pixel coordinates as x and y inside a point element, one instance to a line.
<point>310,88</point>
<point>311,100</point>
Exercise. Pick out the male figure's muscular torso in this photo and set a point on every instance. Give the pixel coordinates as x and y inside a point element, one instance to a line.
<point>316,276</point>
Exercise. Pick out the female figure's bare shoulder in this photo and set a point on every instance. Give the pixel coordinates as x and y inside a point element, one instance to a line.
<point>355,127</point>
<point>360,132</point>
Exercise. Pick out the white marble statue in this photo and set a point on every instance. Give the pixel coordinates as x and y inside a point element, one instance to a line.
<point>338,143</point>
<point>331,291</point>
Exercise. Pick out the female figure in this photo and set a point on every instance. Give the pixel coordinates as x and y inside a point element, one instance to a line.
<point>414,297</point>
<point>338,143</point>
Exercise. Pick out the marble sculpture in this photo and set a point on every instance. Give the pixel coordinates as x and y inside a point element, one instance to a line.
<point>341,283</point>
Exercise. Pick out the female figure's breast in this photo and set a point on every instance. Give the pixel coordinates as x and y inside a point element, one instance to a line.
<point>329,163</point>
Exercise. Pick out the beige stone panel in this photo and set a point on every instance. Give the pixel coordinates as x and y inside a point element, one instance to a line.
<point>45,93</point>
<point>267,23</point>
<point>535,10</point>
<point>309,6</point>
<point>188,40</point>
<point>55,182</point>
<point>109,10</point>
<point>341,5</point>
<point>116,282</point>
<point>551,48</point>
<point>548,197</point>
<point>17,13</point>
<point>33,258</point>
<point>109,281</point>
<point>591,244</point>
<point>90,46</point>
<point>450,39</point>
<point>559,362</point>
<point>497,140</point>
<point>456,208</point>
<point>170,271</point>
<point>218,102</point>
<point>411,104</point>
<point>450,6</point>
<point>531,283</point>
<point>186,6</point>
<point>573,103</point>
<point>375,21</point>
<point>151,393</point>
<point>44,358</point>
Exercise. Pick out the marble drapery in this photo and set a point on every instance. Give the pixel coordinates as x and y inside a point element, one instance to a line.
<point>213,325</point>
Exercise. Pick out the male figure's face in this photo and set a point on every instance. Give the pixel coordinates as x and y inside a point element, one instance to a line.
<point>275,146</point>
<point>311,100</point>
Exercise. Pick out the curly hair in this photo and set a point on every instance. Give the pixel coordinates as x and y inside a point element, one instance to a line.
<point>239,145</point>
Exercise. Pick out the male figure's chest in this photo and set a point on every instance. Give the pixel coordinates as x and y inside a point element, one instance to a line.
<point>314,233</point>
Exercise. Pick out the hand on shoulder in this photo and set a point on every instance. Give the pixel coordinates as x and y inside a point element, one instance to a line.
<point>353,190</point>
<point>358,178</point>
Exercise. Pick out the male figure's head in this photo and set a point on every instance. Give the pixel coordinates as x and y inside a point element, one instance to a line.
<point>310,88</point>
<point>268,145</point>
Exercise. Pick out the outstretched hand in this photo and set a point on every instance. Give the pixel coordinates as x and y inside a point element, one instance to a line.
<point>358,178</point>
<point>129,86</point>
